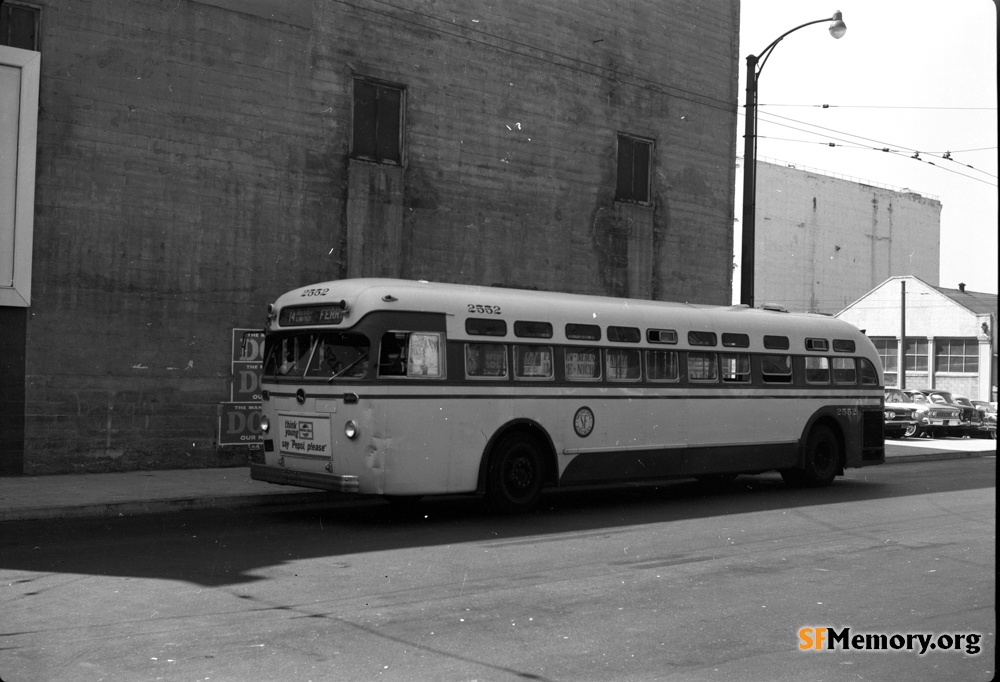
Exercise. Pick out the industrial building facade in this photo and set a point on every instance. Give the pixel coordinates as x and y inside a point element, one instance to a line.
<point>930,336</point>
<point>824,241</point>
<point>197,158</point>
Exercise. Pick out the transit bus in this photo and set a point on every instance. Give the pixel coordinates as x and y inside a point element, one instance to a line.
<point>405,389</point>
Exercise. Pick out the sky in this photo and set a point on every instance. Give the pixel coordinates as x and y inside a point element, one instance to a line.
<point>913,76</point>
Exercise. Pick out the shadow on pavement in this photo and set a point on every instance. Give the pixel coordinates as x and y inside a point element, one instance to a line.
<point>227,547</point>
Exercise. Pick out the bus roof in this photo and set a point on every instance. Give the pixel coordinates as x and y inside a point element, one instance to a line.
<point>461,301</point>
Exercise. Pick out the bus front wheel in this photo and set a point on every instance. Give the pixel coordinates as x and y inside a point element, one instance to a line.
<point>514,484</point>
<point>822,460</point>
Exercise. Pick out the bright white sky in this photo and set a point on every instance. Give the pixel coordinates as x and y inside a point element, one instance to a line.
<point>910,75</point>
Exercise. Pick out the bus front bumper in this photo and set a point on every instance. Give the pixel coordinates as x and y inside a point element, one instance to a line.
<point>303,479</point>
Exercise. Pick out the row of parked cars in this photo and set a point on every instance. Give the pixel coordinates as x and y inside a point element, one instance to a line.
<point>937,414</point>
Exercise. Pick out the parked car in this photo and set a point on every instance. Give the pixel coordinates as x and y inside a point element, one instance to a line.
<point>934,419</point>
<point>989,414</point>
<point>902,417</point>
<point>968,415</point>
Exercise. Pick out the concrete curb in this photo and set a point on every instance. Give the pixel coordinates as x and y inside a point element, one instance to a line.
<point>102,510</point>
<point>939,455</point>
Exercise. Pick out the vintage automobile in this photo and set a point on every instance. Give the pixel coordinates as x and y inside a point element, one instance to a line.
<point>902,416</point>
<point>969,419</point>
<point>989,415</point>
<point>934,420</point>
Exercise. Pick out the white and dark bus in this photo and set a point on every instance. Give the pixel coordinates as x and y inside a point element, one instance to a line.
<point>405,389</point>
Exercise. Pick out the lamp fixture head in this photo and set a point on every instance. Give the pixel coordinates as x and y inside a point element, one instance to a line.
<point>838,28</point>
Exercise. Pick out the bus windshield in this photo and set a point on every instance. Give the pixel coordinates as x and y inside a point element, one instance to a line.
<point>318,355</point>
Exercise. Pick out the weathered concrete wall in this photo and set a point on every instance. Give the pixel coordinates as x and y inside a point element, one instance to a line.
<point>823,242</point>
<point>194,163</point>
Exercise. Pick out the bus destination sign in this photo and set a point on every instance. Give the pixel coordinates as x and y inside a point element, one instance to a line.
<point>313,314</point>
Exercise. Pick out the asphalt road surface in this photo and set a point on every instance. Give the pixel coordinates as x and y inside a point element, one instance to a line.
<point>671,582</point>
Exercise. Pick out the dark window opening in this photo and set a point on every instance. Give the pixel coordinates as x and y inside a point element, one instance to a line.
<point>377,129</point>
<point>702,338</point>
<point>475,326</point>
<point>535,330</point>
<point>583,332</point>
<point>736,340</point>
<point>624,334</point>
<point>776,342</point>
<point>843,345</point>
<point>634,159</point>
<point>19,26</point>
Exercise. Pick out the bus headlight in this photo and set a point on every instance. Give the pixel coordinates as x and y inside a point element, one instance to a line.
<point>351,429</point>
<point>265,423</point>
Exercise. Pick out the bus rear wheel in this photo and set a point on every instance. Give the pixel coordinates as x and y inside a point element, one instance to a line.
<point>822,460</point>
<point>514,481</point>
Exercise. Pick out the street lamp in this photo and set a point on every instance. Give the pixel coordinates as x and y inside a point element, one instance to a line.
<point>754,66</point>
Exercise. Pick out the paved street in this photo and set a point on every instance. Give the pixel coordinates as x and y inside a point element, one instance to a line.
<point>675,582</point>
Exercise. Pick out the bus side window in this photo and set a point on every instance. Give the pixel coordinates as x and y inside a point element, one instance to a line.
<point>662,365</point>
<point>533,362</point>
<point>869,375</point>
<point>735,367</point>
<point>623,364</point>
<point>392,355</point>
<point>702,367</point>
<point>582,364</point>
<point>844,371</point>
<point>424,355</point>
<point>776,369</point>
<point>817,370</point>
<point>486,360</point>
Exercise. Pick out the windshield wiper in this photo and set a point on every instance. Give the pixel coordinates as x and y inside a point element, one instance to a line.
<point>363,356</point>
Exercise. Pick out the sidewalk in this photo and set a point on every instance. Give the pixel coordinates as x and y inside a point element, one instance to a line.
<point>147,492</point>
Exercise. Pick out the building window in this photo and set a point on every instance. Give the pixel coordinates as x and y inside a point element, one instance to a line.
<point>916,355</point>
<point>956,355</point>
<point>635,157</point>
<point>888,353</point>
<point>19,26</point>
<point>378,122</point>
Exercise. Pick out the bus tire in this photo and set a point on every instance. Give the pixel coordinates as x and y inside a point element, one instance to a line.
<point>516,472</point>
<point>821,461</point>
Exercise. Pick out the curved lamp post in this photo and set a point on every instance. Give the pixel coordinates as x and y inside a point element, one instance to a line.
<point>754,66</point>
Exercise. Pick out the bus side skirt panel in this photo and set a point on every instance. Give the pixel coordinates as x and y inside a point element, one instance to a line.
<point>621,466</point>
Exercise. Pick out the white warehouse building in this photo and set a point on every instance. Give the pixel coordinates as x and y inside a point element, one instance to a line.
<point>931,337</point>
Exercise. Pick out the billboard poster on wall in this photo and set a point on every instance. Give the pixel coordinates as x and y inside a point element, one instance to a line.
<point>239,418</point>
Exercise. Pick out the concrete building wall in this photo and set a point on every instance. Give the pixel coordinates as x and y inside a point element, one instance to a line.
<point>822,242</point>
<point>194,163</point>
